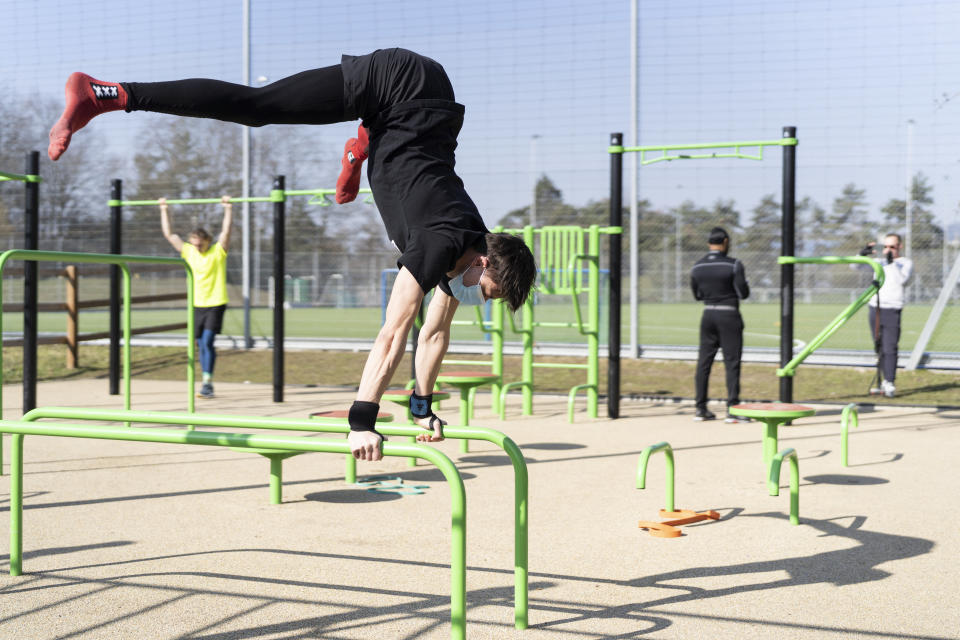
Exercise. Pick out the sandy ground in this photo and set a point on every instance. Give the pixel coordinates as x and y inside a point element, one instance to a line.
<point>142,540</point>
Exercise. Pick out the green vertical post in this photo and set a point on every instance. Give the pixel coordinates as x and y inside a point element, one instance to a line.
<point>593,334</point>
<point>126,336</point>
<point>191,345</point>
<point>496,345</point>
<point>527,324</point>
<point>16,505</point>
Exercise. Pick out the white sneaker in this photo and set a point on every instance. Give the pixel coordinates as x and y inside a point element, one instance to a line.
<point>888,389</point>
<point>876,391</point>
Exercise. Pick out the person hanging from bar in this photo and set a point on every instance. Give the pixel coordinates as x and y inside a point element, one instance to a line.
<point>208,262</point>
<point>410,121</point>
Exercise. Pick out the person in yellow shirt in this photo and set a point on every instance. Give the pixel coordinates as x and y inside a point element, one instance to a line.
<point>208,261</point>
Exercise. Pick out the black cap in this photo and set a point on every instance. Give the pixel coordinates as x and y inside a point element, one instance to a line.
<point>718,235</point>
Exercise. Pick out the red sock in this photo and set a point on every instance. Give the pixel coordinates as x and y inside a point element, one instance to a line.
<point>354,153</point>
<point>85,98</point>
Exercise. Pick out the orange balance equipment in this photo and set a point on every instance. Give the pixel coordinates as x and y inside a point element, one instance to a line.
<point>466,381</point>
<point>670,528</point>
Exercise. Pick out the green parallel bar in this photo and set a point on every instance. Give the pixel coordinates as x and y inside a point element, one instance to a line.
<point>642,469</point>
<point>458,500</point>
<point>848,416</point>
<point>521,481</point>
<point>122,261</point>
<point>790,368</point>
<point>20,177</point>
<point>773,483</point>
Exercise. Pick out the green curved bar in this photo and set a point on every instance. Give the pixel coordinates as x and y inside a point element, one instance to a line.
<point>848,416</point>
<point>642,469</point>
<point>121,261</point>
<point>773,483</point>
<point>521,481</point>
<point>458,500</point>
<point>790,368</point>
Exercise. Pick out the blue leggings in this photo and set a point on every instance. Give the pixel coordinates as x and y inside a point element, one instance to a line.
<point>207,353</point>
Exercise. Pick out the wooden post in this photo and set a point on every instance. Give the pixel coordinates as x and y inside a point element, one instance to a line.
<point>72,319</point>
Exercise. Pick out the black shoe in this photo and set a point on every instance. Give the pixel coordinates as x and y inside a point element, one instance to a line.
<point>206,391</point>
<point>703,415</point>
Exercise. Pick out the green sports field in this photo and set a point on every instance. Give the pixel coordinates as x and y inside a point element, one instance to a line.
<point>668,324</point>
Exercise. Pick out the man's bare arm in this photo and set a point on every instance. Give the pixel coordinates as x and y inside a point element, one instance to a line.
<point>391,342</point>
<point>434,340</point>
<point>224,239</point>
<point>175,241</point>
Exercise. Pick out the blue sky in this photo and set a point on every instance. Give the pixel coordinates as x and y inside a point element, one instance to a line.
<point>849,74</point>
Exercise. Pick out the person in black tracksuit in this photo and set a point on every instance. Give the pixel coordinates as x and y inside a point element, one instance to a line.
<point>720,282</point>
<point>410,122</point>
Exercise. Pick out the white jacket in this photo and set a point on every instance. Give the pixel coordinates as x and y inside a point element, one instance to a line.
<point>896,275</point>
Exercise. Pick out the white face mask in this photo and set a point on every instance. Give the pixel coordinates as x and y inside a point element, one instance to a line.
<point>464,294</point>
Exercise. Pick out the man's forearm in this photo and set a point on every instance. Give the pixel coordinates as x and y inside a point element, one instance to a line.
<point>430,352</point>
<point>382,362</point>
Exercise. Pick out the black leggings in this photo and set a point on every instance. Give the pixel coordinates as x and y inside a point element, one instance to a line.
<point>309,97</point>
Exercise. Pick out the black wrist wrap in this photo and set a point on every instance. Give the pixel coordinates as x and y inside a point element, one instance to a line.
<point>420,405</point>
<point>363,416</point>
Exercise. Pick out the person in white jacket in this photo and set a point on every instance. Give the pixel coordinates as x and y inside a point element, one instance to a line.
<point>887,306</point>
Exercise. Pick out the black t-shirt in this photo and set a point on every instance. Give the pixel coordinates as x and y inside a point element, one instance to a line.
<point>427,212</point>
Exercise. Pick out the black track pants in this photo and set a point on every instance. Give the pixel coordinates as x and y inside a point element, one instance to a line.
<point>720,329</point>
<point>309,97</point>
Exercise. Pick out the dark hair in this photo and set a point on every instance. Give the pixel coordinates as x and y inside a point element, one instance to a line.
<point>894,235</point>
<point>202,233</point>
<point>718,235</point>
<point>513,265</point>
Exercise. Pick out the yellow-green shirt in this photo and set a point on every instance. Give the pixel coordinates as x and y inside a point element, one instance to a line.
<point>209,274</point>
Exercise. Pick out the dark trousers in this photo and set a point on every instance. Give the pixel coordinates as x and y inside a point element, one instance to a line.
<point>889,338</point>
<point>309,97</point>
<point>720,329</point>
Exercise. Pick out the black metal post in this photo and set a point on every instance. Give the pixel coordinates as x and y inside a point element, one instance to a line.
<point>279,287</point>
<point>31,236</point>
<point>116,247</point>
<point>788,248</point>
<point>616,244</point>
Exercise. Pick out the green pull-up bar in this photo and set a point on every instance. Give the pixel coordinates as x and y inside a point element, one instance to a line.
<point>276,195</point>
<point>665,149</point>
<point>19,177</point>
<point>790,368</point>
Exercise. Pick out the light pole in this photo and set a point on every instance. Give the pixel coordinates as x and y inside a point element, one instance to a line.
<point>908,202</point>
<point>245,217</point>
<point>533,172</point>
